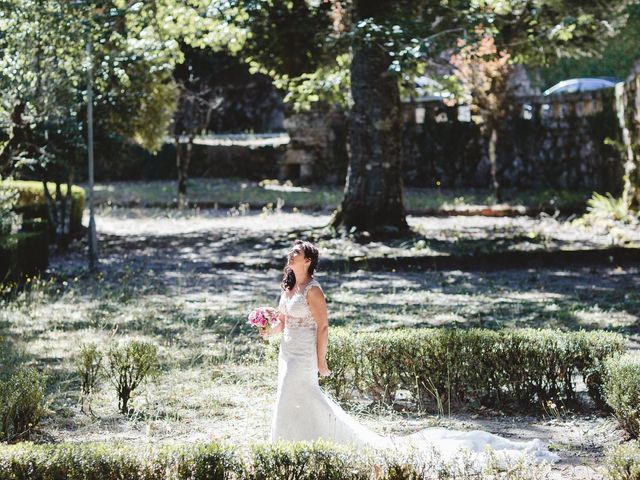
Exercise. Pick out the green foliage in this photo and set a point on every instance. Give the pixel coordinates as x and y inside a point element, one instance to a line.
<point>115,461</point>
<point>615,59</point>
<point>21,403</point>
<point>128,366</point>
<point>88,363</point>
<point>454,366</point>
<point>23,254</point>
<point>88,366</point>
<point>317,460</point>
<point>8,200</point>
<point>622,391</point>
<point>299,460</point>
<point>606,207</point>
<point>623,462</point>
<point>32,202</point>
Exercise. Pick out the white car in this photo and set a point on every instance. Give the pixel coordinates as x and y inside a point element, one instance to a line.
<point>574,85</point>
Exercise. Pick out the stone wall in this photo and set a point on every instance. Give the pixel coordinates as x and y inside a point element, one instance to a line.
<point>549,142</point>
<point>628,110</point>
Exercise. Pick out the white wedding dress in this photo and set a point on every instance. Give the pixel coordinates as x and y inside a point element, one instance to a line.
<point>303,411</point>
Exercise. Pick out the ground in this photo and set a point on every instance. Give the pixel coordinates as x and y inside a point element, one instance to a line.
<point>186,280</point>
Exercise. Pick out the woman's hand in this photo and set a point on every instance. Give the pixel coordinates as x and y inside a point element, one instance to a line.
<point>263,332</point>
<point>323,369</point>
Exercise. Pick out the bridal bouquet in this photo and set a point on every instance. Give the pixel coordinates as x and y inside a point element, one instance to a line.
<point>264,317</point>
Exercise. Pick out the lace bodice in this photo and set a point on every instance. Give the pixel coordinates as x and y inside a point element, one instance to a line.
<point>296,309</point>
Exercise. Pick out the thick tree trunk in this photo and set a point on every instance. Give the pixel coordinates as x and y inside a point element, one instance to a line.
<point>373,192</point>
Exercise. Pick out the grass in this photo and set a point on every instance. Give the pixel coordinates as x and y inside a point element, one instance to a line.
<point>216,382</point>
<point>235,191</point>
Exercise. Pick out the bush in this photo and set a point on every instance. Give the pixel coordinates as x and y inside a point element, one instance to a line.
<point>21,403</point>
<point>299,461</point>
<point>23,254</point>
<point>438,365</point>
<point>623,462</point>
<point>32,202</point>
<point>317,460</point>
<point>128,366</point>
<point>622,391</point>
<point>115,461</point>
<point>8,199</point>
<point>88,365</point>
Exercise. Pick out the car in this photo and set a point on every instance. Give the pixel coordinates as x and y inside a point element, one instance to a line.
<point>574,85</point>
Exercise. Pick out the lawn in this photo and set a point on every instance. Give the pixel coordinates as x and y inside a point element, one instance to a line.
<point>235,192</point>
<point>185,280</point>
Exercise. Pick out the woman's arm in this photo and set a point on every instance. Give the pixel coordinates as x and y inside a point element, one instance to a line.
<point>318,307</point>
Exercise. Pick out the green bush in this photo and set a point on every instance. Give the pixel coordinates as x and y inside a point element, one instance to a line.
<point>116,461</point>
<point>300,461</point>
<point>622,391</point>
<point>128,366</point>
<point>438,365</point>
<point>32,202</point>
<point>23,254</point>
<point>623,462</point>
<point>8,199</point>
<point>317,460</point>
<point>21,403</point>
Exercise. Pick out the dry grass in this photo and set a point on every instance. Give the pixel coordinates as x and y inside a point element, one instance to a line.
<point>160,282</point>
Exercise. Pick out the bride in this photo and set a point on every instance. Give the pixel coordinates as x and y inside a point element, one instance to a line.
<point>303,411</point>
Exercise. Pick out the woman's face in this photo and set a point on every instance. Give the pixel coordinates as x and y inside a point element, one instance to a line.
<point>296,259</point>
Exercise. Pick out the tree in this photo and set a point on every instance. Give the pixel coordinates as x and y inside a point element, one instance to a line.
<point>385,40</point>
<point>197,102</point>
<point>43,76</point>
<point>484,76</point>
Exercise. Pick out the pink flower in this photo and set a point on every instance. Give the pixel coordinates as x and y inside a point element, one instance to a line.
<point>263,317</point>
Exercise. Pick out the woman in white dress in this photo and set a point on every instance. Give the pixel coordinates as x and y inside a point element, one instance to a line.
<point>304,412</point>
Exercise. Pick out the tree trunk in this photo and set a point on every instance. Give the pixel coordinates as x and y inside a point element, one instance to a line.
<point>180,160</point>
<point>493,160</point>
<point>373,191</point>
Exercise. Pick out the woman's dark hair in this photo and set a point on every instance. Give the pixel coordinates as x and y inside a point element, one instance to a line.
<point>311,252</point>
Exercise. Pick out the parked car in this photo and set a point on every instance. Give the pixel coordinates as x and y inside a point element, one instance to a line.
<point>574,85</point>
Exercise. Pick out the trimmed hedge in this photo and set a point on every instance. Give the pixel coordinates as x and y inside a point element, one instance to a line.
<point>107,461</point>
<point>23,254</point>
<point>490,367</point>
<point>299,461</point>
<point>623,462</point>
<point>622,391</point>
<point>32,202</point>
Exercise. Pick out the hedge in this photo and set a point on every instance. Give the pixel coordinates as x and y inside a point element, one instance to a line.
<point>622,391</point>
<point>458,366</point>
<point>106,461</point>
<point>32,202</point>
<point>623,462</point>
<point>300,461</point>
<point>23,254</point>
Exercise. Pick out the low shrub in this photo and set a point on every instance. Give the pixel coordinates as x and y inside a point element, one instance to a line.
<point>316,460</point>
<point>438,365</point>
<point>128,366</point>
<point>32,202</point>
<point>623,462</point>
<point>88,363</point>
<point>300,461</point>
<point>115,461</point>
<point>23,254</point>
<point>21,403</point>
<point>622,391</point>
<point>8,199</point>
